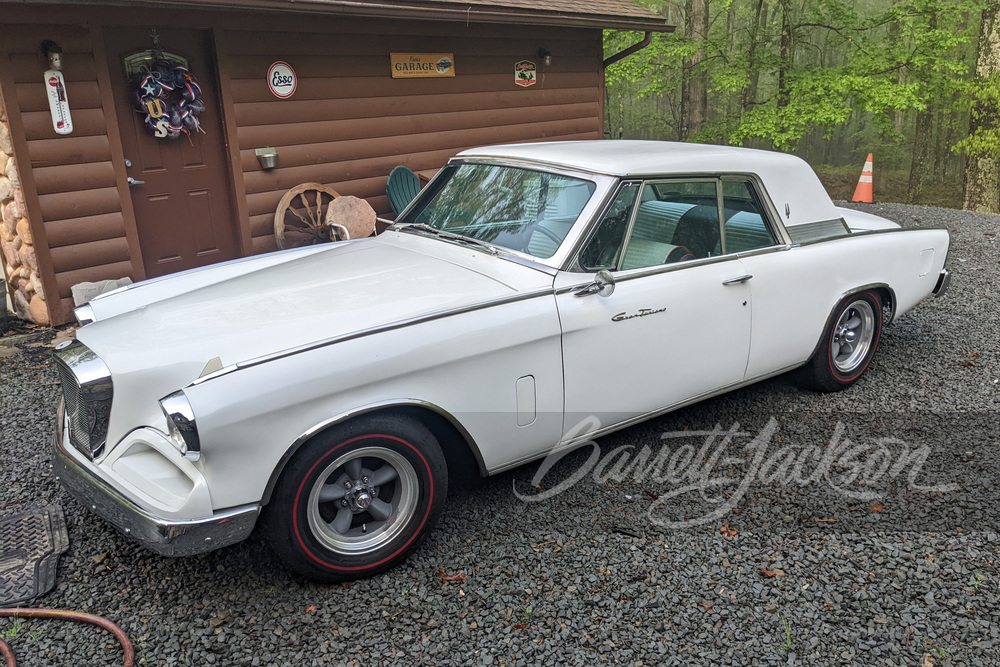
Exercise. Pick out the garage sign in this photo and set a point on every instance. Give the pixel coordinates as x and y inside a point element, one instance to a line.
<point>422,65</point>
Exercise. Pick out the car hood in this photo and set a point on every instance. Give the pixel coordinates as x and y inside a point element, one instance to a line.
<point>240,311</point>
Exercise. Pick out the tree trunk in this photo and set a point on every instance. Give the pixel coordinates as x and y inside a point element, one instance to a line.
<point>696,79</point>
<point>982,174</point>
<point>785,58</point>
<point>750,92</point>
<point>918,163</point>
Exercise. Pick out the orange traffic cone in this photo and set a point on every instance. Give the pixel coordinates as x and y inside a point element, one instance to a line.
<point>863,193</point>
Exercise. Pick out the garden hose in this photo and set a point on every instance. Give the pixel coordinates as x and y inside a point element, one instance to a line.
<point>76,616</point>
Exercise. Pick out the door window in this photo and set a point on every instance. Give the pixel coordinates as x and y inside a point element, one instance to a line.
<point>604,249</point>
<point>671,222</point>
<point>676,221</point>
<point>746,227</point>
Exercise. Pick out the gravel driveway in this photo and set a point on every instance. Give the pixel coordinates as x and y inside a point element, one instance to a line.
<point>885,554</point>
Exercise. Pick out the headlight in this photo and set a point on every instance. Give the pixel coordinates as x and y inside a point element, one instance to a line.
<point>183,429</point>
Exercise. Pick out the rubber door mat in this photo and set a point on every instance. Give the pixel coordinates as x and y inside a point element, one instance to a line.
<point>30,545</point>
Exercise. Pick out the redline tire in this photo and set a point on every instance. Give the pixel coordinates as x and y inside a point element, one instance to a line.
<point>357,499</point>
<point>848,344</point>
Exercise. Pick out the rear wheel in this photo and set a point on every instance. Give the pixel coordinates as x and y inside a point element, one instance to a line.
<point>357,499</point>
<point>848,344</point>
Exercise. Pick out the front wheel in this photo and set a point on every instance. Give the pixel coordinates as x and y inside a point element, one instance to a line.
<point>357,499</point>
<point>848,344</point>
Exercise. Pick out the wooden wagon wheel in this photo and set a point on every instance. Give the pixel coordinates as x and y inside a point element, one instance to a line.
<point>300,217</point>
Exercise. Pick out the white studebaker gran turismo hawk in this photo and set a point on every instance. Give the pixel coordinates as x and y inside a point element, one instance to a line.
<point>328,392</point>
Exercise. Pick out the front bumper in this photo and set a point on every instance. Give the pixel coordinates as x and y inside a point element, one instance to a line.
<point>944,279</point>
<point>167,537</point>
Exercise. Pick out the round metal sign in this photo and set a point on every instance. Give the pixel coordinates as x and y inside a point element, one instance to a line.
<point>281,79</point>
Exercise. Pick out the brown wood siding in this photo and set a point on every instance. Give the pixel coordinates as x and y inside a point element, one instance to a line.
<point>78,224</point>
<point>349,123</point>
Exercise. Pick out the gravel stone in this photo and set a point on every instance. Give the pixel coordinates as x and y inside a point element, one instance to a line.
<point>789,574</point>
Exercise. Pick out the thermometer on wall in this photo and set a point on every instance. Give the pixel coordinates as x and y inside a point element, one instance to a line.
<point>55,86</point>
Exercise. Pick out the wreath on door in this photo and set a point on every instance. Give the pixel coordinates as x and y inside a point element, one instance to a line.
<point>170,97</point>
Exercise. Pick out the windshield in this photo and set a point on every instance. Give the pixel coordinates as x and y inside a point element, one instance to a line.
<point>508,207</point>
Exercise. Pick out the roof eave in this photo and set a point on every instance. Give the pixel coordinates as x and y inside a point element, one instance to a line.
<point>401,10</point>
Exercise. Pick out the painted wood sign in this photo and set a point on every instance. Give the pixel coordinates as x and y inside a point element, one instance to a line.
<point>281,80</point>
<point>525,73</point>
<point>55,87</point>
<point>422,65</point>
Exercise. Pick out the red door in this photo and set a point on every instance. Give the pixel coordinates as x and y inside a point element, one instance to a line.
<point>180,188</point>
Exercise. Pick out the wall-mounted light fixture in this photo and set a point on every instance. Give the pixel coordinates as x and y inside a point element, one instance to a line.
<point>268,158</point>
<point>545,55</point>
<point>53,52</point>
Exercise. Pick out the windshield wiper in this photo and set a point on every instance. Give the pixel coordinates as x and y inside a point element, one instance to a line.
<point>450,236</point>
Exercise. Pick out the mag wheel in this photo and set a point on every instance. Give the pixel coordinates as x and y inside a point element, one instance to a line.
<point>848,344</point>
<point>357,499</point>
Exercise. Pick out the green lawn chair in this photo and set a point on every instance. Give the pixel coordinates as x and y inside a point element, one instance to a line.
<point>402,186</point>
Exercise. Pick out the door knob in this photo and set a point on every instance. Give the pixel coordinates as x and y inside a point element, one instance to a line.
<point>132,182</point>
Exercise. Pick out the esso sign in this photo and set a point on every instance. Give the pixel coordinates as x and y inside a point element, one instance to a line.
<point>281,79</point>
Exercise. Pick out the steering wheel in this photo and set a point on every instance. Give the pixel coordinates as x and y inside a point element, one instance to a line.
<point>530,230</point>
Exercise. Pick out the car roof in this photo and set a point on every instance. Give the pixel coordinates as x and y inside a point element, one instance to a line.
<point>789,180</point>
<point>638,158</point>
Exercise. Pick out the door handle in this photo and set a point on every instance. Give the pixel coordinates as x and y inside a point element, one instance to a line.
<point>737,279</point>
<point>132,182</point>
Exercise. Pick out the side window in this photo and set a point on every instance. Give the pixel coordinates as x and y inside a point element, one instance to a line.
<point>603,250</point>
<point>676,221</point>
<point>745,227</point>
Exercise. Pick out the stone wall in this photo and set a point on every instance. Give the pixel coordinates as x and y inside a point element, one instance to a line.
<point>20,264</point>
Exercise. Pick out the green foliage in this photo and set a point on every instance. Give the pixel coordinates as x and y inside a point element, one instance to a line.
<point>842,61</point>
<point>984,99</point>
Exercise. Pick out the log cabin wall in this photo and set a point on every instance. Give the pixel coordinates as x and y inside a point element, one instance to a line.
<point>71,202</point>
<point>347,125</point>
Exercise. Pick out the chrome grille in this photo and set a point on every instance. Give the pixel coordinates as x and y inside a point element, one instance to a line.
<point>87,390</point>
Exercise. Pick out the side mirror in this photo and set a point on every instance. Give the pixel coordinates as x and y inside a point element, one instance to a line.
<point>602,285</point>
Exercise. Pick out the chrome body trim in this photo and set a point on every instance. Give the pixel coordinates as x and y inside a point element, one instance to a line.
<point>371,331</point>
<point>866,232</point>
<point>650,271</point>
<point>570,444</point>
<point>84,315</point>
<point>180,417</point>
<point>943,281</point>
<point>538,165</point>
<point>167,537</point>
<point>357,412</point>
<point>802,234</point>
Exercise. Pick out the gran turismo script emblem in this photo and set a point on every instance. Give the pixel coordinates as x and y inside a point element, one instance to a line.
<point>642,313</point>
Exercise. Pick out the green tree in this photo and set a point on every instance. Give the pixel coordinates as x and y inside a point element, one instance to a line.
<point>982,180</point>
<point>812,76</point>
